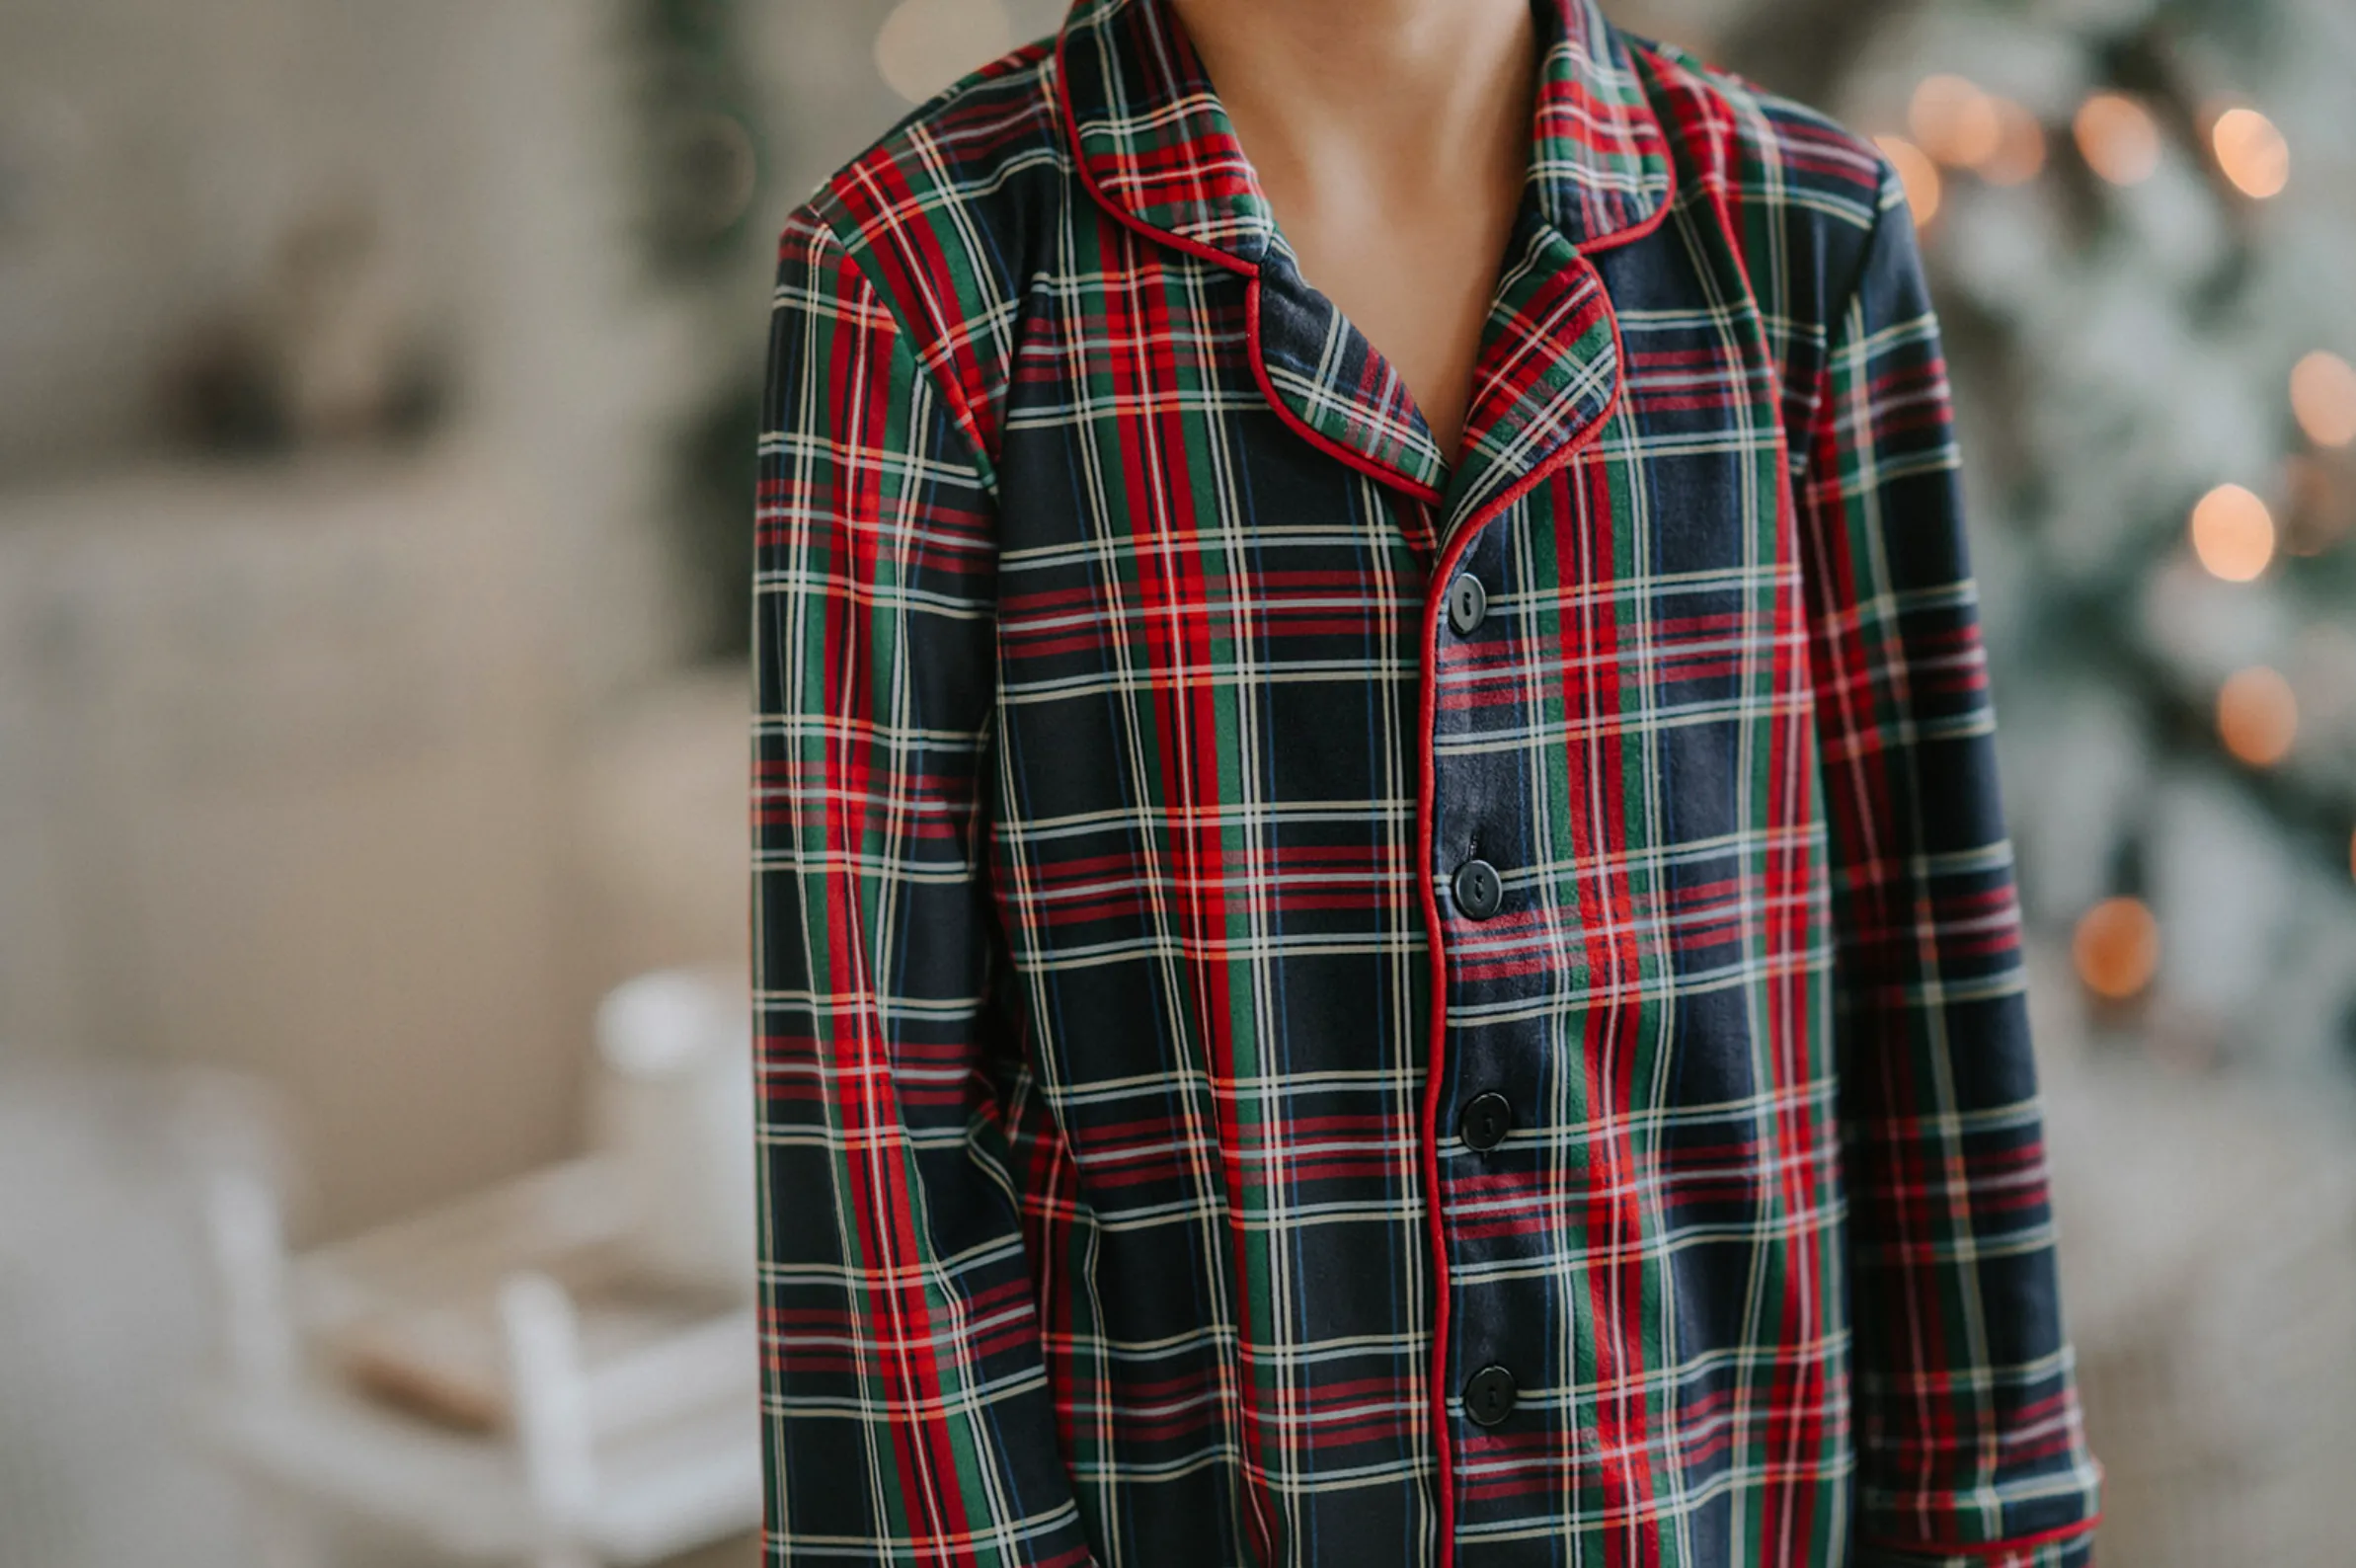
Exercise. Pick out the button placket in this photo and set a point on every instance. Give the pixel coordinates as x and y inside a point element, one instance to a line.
<point>1466,817</point>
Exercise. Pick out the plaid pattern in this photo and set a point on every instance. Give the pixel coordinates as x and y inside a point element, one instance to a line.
<point>1116,760</point>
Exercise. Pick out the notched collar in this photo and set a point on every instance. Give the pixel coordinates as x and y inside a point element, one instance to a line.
<point>1157,149</point>
<point>1153,141</point>
<point>1548,376</point>
<point>1152,138</point>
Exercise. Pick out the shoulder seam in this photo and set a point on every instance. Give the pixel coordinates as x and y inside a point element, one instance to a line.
<point>952,396</point>
<point>1882,207</point>
<point>1746,102</point>
<point>1836,318</point>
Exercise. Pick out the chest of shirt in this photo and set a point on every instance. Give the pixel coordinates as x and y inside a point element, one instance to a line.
<point>1209,491</point>
<point>1236,713</point>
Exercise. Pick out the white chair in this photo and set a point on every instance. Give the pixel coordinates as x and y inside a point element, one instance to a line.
<point>571,1422</point>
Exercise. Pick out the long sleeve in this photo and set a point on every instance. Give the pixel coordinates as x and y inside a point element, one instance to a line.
<point>1970,1445</point>
<point>907,1415</point>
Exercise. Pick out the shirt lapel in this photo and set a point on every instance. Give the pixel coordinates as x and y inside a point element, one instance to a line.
<point>1548,374</point>
<point>1150,138</point>
<point>1157,148</point>
<point>1599,176</point>
<point>1157,151</point>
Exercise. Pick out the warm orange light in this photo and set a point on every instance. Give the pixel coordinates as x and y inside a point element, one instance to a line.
<point>2020,155</point>
<point>2116,948</point>
<point>2251,153</point>
<point>2257,717</point>
<point>2233,533</point>
<point>2324,396</point>
<point>2118,137</point>
<point>1954,121</point>
<point>1920,176</point>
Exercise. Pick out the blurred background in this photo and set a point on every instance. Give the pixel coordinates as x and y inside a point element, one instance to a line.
<point>377,401</point>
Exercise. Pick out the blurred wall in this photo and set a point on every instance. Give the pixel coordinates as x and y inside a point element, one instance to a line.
<point>154,154</point>
<point>289,743</point>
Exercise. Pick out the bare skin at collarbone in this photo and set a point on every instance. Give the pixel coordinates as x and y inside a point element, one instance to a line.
<point>1390,138</point>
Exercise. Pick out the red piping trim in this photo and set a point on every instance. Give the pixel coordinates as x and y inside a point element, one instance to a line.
<point>1649,224</point>
<point>1569,449</point>
<point>1626,234</point>
<point>1436,1230</point>
<point>1301,427</point>
<point>1121,214</point>
<point>1426,789</point>
<point>1251,272</point>
<point>1986,1548</point>
<point>1643,228</point>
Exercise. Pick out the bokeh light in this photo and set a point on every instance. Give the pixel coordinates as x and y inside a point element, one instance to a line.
<point>1924,190</point>
<point>2116,948</point>
<point>2020,155</point>
<point>2118,139</point>
<point>1953,120</point>
<point>2323,397</point>
<point>2257,717</point>
<point>2251,153</point>
<point>2233,533</point>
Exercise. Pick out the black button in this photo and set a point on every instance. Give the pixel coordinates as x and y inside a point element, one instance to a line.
<point>1467,604</point>
<point>1485,1122</point>
<point>1489,1395</point>
<point>1479,891</point>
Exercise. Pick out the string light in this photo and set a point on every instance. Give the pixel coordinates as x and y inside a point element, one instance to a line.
<point>1920,177</point>
<point>1957,122</point>
<point>2233,533</point>
<point>2251,153</point>
<point>2323,397</point>
<point>2257,717</point>
<point>2118,139</point>
<point>1954,121</point>
<point>2116,948</point>
<point>2020,155</point>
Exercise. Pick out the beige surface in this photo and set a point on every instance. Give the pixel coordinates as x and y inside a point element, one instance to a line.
<point>283,752</point>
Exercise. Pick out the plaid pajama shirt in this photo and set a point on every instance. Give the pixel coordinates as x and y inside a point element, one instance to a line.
<point>1319,1006</point>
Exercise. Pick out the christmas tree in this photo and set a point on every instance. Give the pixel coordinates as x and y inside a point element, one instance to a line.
<point>703,239</point>
<point>2139,219</point>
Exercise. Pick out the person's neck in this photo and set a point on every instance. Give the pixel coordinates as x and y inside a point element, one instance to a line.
<point>1428,90</point>
<point>1390,138</point>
